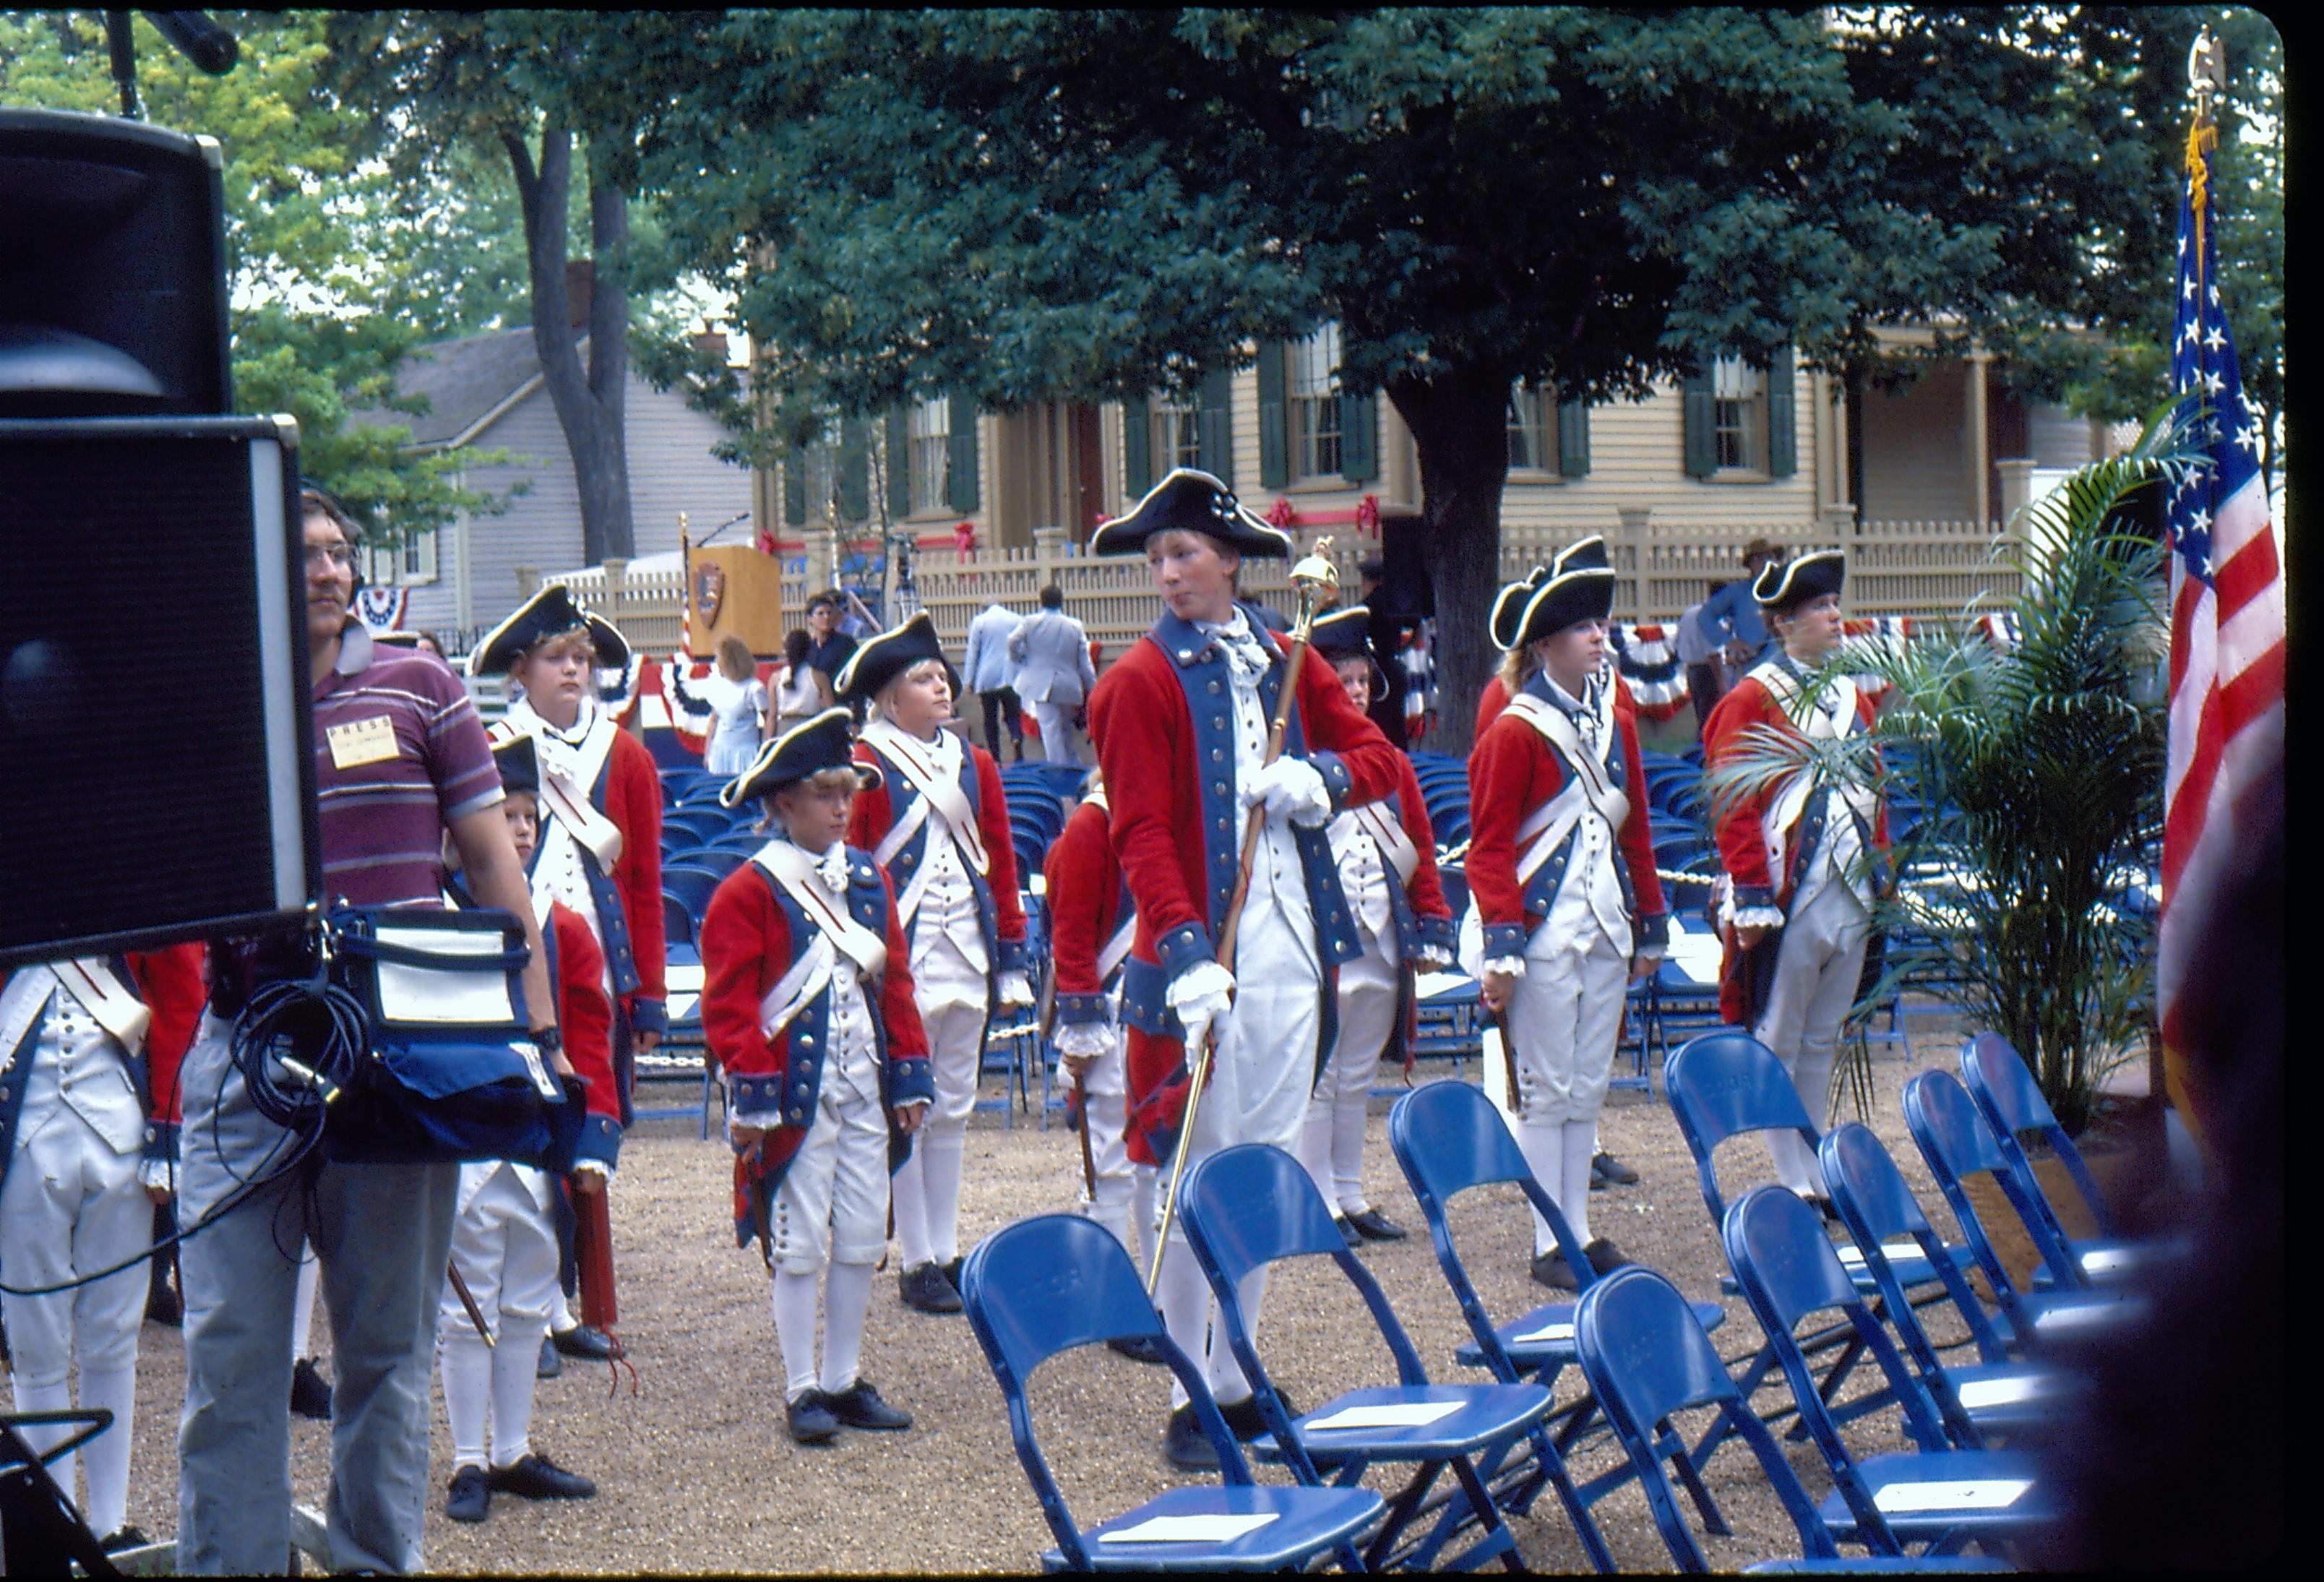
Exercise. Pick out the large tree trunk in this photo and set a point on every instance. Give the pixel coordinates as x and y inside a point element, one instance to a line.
<point>589,405</point>
<point>1460,427</point>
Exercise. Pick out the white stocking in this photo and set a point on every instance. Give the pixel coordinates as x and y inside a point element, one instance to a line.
<point>106,1458</point>
<point>1544,1147</point>
<point>908,1194</point>
<point>516,1362</point>
<point>846,1298</point>
<point>1220,1370</point>
<point>1144,1189</point>
<point>1184,1299</point>
<point>58,1397</point>
<point>941,1154</point>
<point>795,1328</point>
<point>466,1364</point>
<point>1573,1193</point>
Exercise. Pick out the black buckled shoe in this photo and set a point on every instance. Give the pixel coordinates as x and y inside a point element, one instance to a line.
<point>1604,1256</point>
<point>537,1477</point>
<point>1551,1270</point>
<point>859,1406</point>
<point>1184,1445</point>
<point>591,1345</point>
<point>925,1288</point>
<point>1144,1349</point>
<point>1348,1232</point>
<point>1605,1166</point>
<point>123,1537</point>
<point>809,1421</point>
<point>470,1497</point>
<point>551,1364</point>
<point>310,1392</point>
<point>952,1274</point>
<point>1247,1420</point>
<point>163,1303</point>
<point>1375,1226</point>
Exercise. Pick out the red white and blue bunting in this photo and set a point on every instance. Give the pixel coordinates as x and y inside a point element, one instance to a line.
<point>381,609</point>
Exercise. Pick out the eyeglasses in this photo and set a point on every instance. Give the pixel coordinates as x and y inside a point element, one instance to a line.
<point>340,555</point>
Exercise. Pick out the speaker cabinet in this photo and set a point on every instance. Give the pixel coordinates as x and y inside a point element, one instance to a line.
<point>157,777</point>
<point>113,291</point>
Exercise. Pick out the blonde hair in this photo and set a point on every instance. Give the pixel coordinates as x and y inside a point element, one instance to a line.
<point>873,707</point>
<point>1517,667</point>
<point>735,660</point>
<point>770,817</point>
<point>540,645</point>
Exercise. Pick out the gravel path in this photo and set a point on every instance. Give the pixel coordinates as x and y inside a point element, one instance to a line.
<point>694,1473</point>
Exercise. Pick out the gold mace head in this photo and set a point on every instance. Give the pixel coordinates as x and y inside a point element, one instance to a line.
<point>1315,577</point>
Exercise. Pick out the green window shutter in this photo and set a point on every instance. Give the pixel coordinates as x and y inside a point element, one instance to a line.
<point>855,469</point>
<point>1573,439</point>
<point>795,487</point>
<point>900,465</point>
<point>1214,427</point>
<point>1782,418</point>
<point>1359,437</point>
<point>961,487</point>
<point>1701,426</point>
<point>1136,447</point>
<point>1274,430</point>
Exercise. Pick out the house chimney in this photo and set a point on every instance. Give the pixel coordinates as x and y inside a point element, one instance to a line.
<point>712,342</point>
<point>580,291</point>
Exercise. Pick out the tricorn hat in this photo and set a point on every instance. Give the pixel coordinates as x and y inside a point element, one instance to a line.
<point>878,660</point>
<point>1579,586</point>
<point>1788,584</point>
<point>1346,634</point>
<point>809,747</point>
<point>544,614</point>
<point>1192,502</point>
<point>1509,605</point>
<point>518,762</point>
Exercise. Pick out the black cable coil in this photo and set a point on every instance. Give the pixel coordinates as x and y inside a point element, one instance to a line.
<point>299,1044</point>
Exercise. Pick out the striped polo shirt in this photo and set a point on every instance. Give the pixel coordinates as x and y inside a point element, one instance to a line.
<point>399,754</point>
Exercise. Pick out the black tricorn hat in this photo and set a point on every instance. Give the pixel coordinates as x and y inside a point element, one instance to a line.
<point>1788,584</point>
<point>1346,634</point>
<point>878,661</point>
<point>1192,502</point>
<point>544,614</point>
<point>518,762</point>
<point>1580,587</point>
<point>809,747</point>
<point>1509,605</point>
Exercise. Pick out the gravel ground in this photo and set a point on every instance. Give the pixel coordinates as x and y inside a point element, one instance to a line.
<point>694,1472</point>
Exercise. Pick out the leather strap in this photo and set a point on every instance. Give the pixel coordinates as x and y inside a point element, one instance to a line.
<point>568,799</point>
<point>114,1005</point>
<point>912,760</point>
<point>794,870</point>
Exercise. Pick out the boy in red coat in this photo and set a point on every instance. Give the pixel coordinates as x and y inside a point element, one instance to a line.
<point>1803,860</point>
<point>1181,725</point>
<point>937,825</point>
<point>807,1007</point>
<point>1386,855</point>
<point>504,1241</point>
<point>1562,869</point>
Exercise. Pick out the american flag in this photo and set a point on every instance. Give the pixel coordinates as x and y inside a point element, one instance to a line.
<point>2227,608</point>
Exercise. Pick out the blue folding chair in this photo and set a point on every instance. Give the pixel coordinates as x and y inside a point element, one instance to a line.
<point>1992,1396</point>
<point>1958,1145</point>
<point>1936,1494</point>
<point>677,922</point>
<point>1448,1138</point>
<point>2011,1104</point>
<point>1252,1205</point>
<point>1647,1359</point>
<point>700,825</point>
<point>721,860</point>
<point>691,887</point>
<point>1058,1281</point>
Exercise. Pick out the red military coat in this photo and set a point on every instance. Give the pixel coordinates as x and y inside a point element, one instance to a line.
<point>632,789</point>
<point>1164,792</point>
<point>1088,904</point>
<point>874,814</point>
<point>584,1027</point>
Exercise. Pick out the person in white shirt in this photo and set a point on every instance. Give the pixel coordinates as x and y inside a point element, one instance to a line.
<point>738,704</point>
<point>992,674</point>
<point>1052,650</point>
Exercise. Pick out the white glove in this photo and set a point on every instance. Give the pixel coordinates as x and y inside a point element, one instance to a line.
<point>1199,997</point>
<point>1014,988</point>
<point>1291,789</point>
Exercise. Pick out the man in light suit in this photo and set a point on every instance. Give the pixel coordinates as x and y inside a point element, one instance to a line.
<point>1054,673</point>
<point>992,674</point>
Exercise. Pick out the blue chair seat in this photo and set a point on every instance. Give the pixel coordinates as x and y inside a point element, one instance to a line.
<point>1903,1483</point>
<point>1304,1520</point>
<point>1531,1355</point>
<point>1480,1413</point>
<point>2003,1398</point>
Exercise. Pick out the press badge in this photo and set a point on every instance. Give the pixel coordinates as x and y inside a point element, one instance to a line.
<point>361,741</point>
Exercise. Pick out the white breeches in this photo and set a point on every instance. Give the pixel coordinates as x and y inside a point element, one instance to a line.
<point>832,1206</point>
<point>1564,1020</point>
<point>1264,1067</point>
<point>72,1206</point>
<point>1124,1200</point>
<point>1817,966</point>
<point>504,1247</point>
<point>1331,1141</point>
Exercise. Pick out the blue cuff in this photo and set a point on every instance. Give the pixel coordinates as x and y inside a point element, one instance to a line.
<point>648,1015</point>
<point>601,1140</point>
<point>1010,958</point>
<point>1652,930</point>
<point>1504,939</point>
<point>910,1082</point>
<point>1336,778</point>
<point>1184,947</point>
<point>1754,895</point>
<point>759,1095</point>
<point>1079,1010</point>
<point>1437,933</point>
<point>162,1141</point>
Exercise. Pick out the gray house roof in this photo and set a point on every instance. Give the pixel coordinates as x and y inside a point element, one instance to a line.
<point>467,382</point>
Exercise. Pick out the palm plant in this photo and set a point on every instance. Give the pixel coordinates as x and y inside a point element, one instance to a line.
<point>2022,895</point>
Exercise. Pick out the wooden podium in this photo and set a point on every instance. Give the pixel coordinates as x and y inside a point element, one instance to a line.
<point>733,587</point>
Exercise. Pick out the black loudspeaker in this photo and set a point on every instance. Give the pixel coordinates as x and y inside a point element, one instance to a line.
<point>157,777</point>
<point>1406,590</point>
<point>112,289</point>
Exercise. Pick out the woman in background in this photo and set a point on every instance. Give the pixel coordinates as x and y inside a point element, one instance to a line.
<point>799,691</point>
<point>739,707</point>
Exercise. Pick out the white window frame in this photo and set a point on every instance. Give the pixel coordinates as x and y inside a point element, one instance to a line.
<point>1739,417</point>
<point>1174,431</point>
<point>930,441</point>
<point>1311,406</point>
<point>1532,428</point>
<point>417,559</point>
